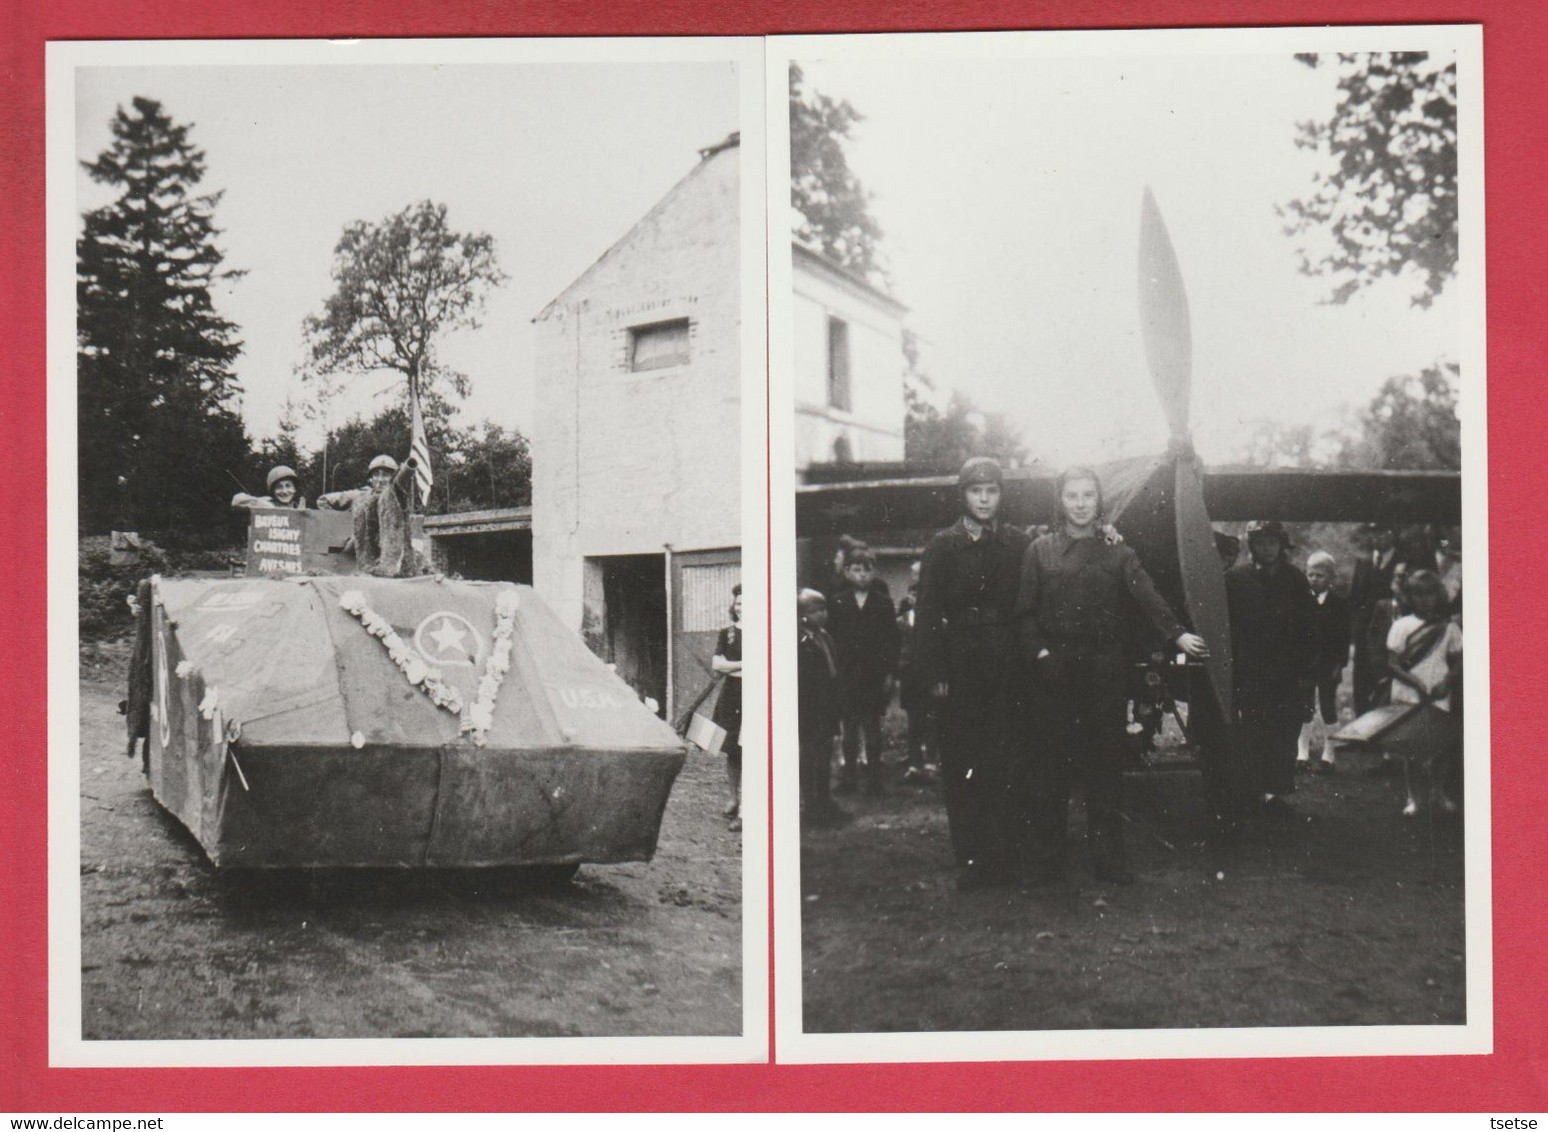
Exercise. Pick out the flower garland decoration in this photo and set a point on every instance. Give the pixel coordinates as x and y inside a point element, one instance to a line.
<point>415,670</point>
<point>480,717</point>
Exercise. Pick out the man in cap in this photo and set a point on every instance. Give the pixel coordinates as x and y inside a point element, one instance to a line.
<point>283,492</point>
<point>967,655</point>
<point>1274,646</point>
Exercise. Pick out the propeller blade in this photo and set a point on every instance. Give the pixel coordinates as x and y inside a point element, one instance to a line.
<point>1203,578</point>
<point>1164,318</point>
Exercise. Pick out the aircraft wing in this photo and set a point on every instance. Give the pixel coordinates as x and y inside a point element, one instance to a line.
<point>914,503</point>
<point>1230,494</point>
<point>1296,495</point>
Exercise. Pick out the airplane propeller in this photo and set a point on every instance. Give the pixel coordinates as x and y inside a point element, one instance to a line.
<point>1168,338</point>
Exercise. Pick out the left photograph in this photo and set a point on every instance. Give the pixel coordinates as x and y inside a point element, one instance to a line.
<point>398,397</point>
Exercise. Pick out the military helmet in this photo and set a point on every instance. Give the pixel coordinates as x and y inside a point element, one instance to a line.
<point>980,469</point>
<point>386,462</point>
<point>281,472</point>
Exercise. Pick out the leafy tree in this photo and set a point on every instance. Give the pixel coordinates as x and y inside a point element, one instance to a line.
<point>1390,200</point>
<point>157,429</point>
<point>833,207</point>
<point>480,467</point>
<point>1274,444</point>
<point>488,466</point>
<point>1411,424</point>
<point>944,441</point>
<point>399,284</point>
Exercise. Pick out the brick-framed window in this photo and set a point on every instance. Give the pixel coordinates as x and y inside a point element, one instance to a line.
<point>658,345</point>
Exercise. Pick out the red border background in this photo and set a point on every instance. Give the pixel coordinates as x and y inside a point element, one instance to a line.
<point>1513,1079</point>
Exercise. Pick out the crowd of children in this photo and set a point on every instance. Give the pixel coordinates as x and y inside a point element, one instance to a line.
<point>1292,639</point>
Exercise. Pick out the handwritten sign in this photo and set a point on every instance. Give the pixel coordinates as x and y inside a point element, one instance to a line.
<point>282,542</point>
<point>274,541</point>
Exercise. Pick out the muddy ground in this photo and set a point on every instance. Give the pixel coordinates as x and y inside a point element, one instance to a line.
<point>170,949</point>
<point>1347,915</point>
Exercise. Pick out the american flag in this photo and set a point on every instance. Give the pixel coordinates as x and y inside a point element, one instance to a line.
<point>419,448</point>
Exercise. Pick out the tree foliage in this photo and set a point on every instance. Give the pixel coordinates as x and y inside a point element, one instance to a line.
<point>1274,444</point>
<point>399,284</point>
<point>477,467</point>
<point>1411,424</point>
<point>157,425</point>
<point>1390,199</point>
<point>944,441</point>
<point>833,208</point>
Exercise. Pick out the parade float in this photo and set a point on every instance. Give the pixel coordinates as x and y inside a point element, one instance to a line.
<point>304,715</point>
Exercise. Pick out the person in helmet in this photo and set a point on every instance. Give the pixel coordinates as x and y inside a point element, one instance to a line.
<point>1274,648</point>
<point>381,512</point>
<point>966,656</point>
<point>1078,595</point>
<point>284,491</point>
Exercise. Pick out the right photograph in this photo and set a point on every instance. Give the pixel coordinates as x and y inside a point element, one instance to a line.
<point>1132,387</point>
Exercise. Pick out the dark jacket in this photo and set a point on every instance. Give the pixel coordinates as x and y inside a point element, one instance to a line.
<point>867,640</point>
<point>1331,620</point>
<point>1084,592</point>
<point>817,691</point>
<point>728,708</point>
<point>965,635</point>
<point>1273,635</point>
<point>964,624</point>
<point>1370,583</point>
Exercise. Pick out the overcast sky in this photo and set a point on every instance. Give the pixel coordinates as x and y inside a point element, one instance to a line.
<point>556,161</point>
<point>1010,190</point>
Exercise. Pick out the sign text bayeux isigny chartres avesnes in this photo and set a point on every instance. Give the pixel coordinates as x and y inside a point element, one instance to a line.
<point>274,543</point>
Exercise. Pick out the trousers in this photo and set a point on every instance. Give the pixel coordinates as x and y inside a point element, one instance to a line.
<point>1267,740</point>
<point>867,726</point>
<point>1082,697</point>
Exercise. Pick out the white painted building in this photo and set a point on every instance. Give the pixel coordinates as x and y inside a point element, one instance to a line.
<point>849,366</point>
<point>636,489</point>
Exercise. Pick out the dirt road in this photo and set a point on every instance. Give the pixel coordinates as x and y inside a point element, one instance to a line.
<point>1347,915</point>
<point>171,950</point>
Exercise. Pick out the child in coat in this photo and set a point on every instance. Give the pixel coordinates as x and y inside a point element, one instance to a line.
<point>863,624</point>
<point>817,702</point>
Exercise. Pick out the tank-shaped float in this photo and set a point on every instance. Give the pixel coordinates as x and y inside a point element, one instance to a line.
<point>301,719</point>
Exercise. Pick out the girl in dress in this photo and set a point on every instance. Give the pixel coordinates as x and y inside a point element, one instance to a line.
<point>727,661</point>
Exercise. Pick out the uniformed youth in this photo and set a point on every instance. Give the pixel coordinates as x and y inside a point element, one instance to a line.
<point>965,650</point>
<point>380,511</point>
<point>284,491</point>
<point>1078,594</point>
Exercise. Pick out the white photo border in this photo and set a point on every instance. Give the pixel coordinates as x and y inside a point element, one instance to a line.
<point>792,1043</point>
<point>66,1046</point>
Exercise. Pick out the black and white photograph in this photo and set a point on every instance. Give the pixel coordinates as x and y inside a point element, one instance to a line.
<point>406,486</point>
<point>1127,439</point>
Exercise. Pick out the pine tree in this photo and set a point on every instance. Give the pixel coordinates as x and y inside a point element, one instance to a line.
<point>157,393</point>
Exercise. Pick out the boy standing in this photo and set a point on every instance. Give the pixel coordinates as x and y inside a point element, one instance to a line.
<point>817,702</point>
<point>913,693</point>
<point>1330,621</point>
<point>865,629</point>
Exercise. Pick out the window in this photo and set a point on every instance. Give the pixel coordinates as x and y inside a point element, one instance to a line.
<point>838,364</point>
<point>660,345</point>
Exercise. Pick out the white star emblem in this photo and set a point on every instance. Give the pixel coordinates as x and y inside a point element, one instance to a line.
<point>447,637</point>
